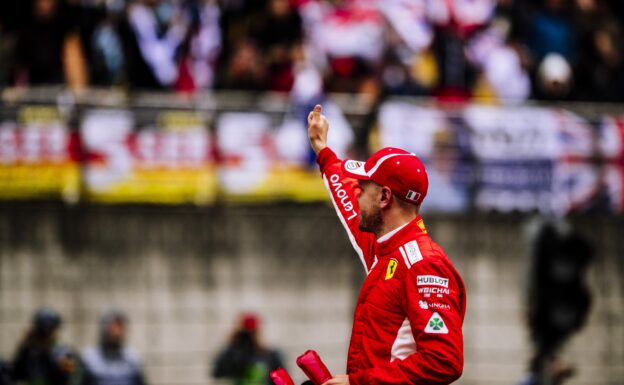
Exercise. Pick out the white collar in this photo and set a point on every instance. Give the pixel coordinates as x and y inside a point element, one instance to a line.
<point>389,235</point>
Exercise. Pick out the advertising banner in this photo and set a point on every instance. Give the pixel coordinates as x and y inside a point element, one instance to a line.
<point>511,158</point>
<point>478,157</point>
<point>38,154</point>
<point>261,159</point>
<point>153,156</point>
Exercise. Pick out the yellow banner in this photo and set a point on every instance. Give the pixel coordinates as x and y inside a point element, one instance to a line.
<point>168,186</point>
<point>291,183</point>
<point>25,181</point>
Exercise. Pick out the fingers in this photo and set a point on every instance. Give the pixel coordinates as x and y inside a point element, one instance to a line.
<point>341,379</point>
<point>315,114</point>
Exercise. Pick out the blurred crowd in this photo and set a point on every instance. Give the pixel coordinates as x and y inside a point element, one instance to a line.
<point>505,50</point>
<point>42,358</point>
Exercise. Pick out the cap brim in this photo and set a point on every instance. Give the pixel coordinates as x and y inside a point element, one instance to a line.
<point>354,169</point>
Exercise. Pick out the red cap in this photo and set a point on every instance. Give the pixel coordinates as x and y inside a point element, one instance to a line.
<point>397,169</point>
<point>250,322</point>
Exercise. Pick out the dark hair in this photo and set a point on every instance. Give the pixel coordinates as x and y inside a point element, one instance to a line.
<point>45,321</point>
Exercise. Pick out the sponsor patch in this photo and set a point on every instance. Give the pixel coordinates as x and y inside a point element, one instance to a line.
<point>411,253</point>
<point>423,305</point>
<point>439,306</point>
<point>352,165</point>
<point>436,325</point>
<point>431,280</point>
<point>392,266</point>
<point>438,291</point>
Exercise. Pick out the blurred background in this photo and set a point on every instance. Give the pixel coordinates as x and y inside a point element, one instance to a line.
<point>162,219</point>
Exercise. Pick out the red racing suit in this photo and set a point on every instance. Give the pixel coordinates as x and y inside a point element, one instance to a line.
<point>407,326</point>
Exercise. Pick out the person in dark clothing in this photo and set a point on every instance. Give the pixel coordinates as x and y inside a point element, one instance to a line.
<point>40,359</point>
<point>599,74</point>
<point>111,363</point>
<point>58,57</point>
<point>278,36</point>
<point>245,360</point>
<point>5,373</point>
<point>152,33</point>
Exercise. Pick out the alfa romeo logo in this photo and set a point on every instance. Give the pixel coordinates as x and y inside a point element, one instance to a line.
<point>436,323</point>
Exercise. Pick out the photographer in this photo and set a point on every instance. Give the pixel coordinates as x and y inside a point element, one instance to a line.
<point>40,359</point>
<point>245,360</point>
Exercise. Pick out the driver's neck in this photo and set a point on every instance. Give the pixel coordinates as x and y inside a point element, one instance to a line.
<point>392,223</point>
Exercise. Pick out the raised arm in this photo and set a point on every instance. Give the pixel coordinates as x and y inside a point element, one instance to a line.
<point>343,190</point>
<point>318,127</point>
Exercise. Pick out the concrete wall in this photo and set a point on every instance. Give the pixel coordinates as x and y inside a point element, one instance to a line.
<point>185,274</point>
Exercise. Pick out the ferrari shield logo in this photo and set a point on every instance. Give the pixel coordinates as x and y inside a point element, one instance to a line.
<point>392,265</point>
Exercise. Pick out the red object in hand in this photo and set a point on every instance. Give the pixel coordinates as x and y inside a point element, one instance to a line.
<point>313,367</point>
<point>280,377</point>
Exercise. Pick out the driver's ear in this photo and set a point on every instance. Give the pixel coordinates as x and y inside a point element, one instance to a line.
<point>385,197</point>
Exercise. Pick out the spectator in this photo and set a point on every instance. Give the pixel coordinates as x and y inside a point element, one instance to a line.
<point>409,66</point>
<point>600,71</point>
<point>40,359</point>
<point>500,60</point>
<point>7,41</point>
<point>554,78</point>
<point>103,43</point>
<point>5,373</point>
<point>111,363</point>
<point>455,23</point>
<point>245,360</point>
<point>552,31</point>
<point>201,46</point>
<point>152,34</point>
<point>349,36</point>
<point>278,36</point>
<point>245,70</point>
<point>58,58</point>
<point>240,65</point>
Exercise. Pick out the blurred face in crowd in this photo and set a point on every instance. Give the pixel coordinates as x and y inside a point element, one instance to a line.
<point>586,5</point>
<point>556,4</point>
<point>604,41</point>
<point>45,9</point>
<point>115,332</point>
<point>370,212</point>
<point>279,8</point>
<point>151,2</point>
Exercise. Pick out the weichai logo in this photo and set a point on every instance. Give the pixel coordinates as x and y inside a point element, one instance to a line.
<point>431,280</point>
<point>433,290</point>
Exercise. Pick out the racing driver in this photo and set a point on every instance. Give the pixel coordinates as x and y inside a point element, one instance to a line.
<point>407,326</point>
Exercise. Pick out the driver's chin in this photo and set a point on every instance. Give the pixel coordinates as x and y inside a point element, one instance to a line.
<point>363,225</point>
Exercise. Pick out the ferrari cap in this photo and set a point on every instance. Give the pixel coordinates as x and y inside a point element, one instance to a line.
<point>397,169</point>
